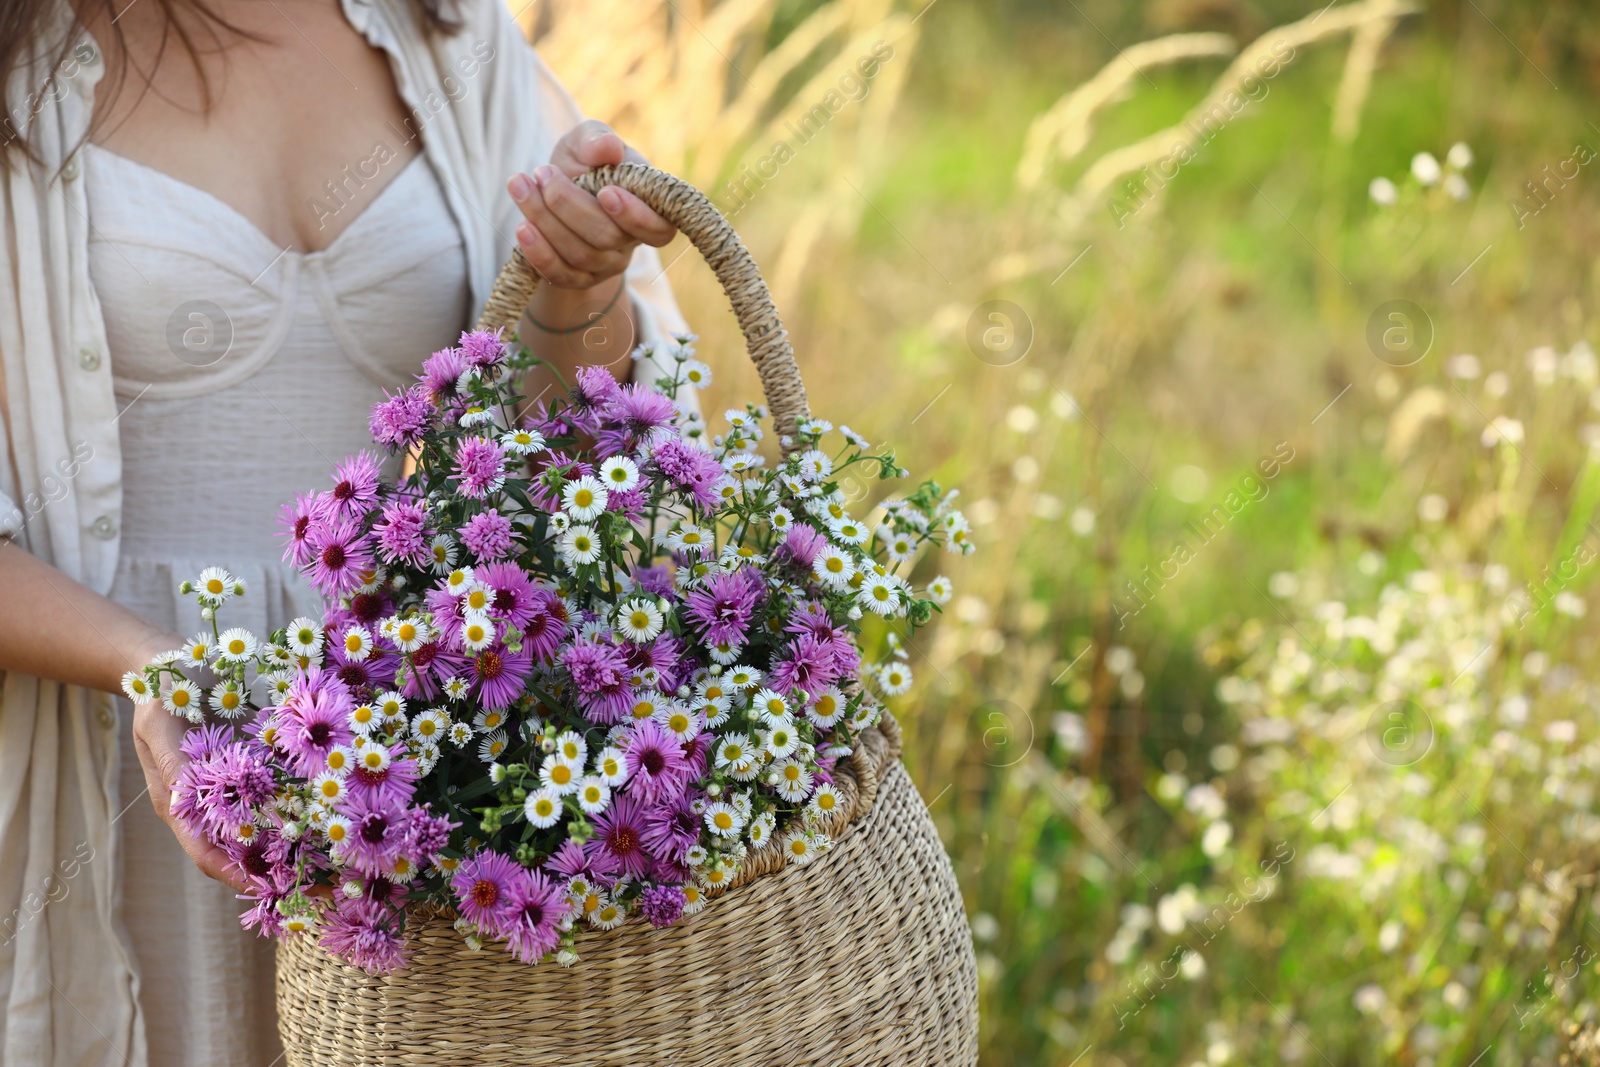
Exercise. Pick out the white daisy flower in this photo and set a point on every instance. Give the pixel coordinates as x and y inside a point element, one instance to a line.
<point>443,551</point>
<point>328,788</point>
<point>742,804</point>
<point>357,643</point>
<point>879,594</point>
<point>410,634</point>
<point>894,678</point>
<point>559,776</point>
<point>489,719</point>
<point>793,781</point>
<point>391,705</point>
<point>800,847</point>
<point>477,633</point>
<point>373,757</point>
<point>336,828</point>
<point>782,738</point>
<point>477,597</point>
<point>456,687</point>
<point>611,766</point>
<point>197,653</point>
<point>901,547</point>
<point>760,829</point>
<point>460,734</point>
<point>769,704</point>
<point>825,801</point>
<point>826,709</point>
<point>853,437</point>
<point>543,808</point>
<point>183,698</point>
<point>679,721</point>
<point>459,581</point>
<point>849,531</point>
<point>137,687</point>
<point>571,748</point>
<point>215,586</point>
<point>725,653</point>
<point>579,546</point>
<point>559,523</point>
<point>584,498</point>
<point>833,567</point>
<point>608,916</point>
<point>594,796</point>
<point>428,755</point>
<point>226,699</point>
<point>646,703</point>
<point>304,637</point>
<point>364,719</point>
<point>748,769</point>
<point>940,590</point>
<point>492,745</point>
<point>814,465</point>
<point>341,759</point>
<point>430,726</point>
<point>733,749</point>
<point>865,715</point>
<point>522,442</point>
<point>619,473</point>
<point>695,374</point>
<point>723,819</point>
<point>639,620</point>
<point>236,645</point>
<point>742,677</point>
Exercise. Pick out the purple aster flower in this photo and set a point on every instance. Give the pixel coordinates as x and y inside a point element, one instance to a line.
<point>657,581</point>
<point>378,833</point>
<point>440,372</point>
<point>547,623</point>
<point>691,468</point>
<point>203,742</point>
<point>619,836</point>
<point>499,675</point>
<point>540,464</point>
<point>662,905</point>
<point>340,557</point>
<point>600,675</point>
<point>670,830</point>
<point>514,599</point>
<point>637,415</point>
<point>808,664</point>
<point>657,773</point>
<point>482,348</point>
<point>403,534</point>
<point>802,543</point>
<point>486,886</point>
<point>430,833</point>
<point>431,664</point>
<point>314,717</point>
<point>479,467</point>
<point>540,906</point>
<point>218,795</point>
<point>392,787</point>
<point>569,859</point>
<point>488,535</point>
<point>399,421</point>
<point>593,391</point>
<point>366,933</point>
<point>725,604</point>
<point>294,526</point>
<point>355,488</point>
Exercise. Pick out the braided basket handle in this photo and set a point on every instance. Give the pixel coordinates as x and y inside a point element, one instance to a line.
<point>688,209</point>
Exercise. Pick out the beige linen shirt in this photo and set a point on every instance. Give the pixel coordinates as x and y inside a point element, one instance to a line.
<point>486,107</point>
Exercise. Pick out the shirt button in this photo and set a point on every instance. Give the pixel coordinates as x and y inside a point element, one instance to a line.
<point>88,359</point>
<point>89,54</point>
<point>70,171</point>
<point>107,720</point>
<point>105,528</point>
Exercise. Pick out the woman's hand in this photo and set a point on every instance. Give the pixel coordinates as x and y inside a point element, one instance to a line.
<point>157,733</point>
<point>575,240</point>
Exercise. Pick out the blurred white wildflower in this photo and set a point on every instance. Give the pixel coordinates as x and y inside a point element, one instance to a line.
<point>1022,419</point>
<point>1425,168</point>
<point>1370,999</point>
<point>1433,508</point>
<point>1459,157</point>
<point>1214,842</point>
<point>1383,192</point>
<point>1464,366</point>
<point>1082,521</point>
<point>1542,364</point>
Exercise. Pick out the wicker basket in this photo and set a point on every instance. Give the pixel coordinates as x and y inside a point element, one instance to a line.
<point>861,957</point>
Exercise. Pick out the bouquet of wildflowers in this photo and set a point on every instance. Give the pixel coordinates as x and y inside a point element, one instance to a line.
<point>575,667</point>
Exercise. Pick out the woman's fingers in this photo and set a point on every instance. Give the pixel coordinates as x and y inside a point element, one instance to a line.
<point>156,737</point>
<point>542,257</point>
<point>573,220</point>
<point>635,218</point>
<point>588,145</point>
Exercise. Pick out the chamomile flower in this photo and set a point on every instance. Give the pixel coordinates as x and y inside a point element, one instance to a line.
<point>958,533</point>
<point>478,598</point>
<point>137,687</point>
<point>329,788</point>
<point>853,437</point>
<point>458,581</point>
<point>364,718</point>
<point>579,546</point>
<point>679,721</point>
<point>940,590</point>
<point>456,687</point>
<point>489,719</point>
<point>611,766</point>
<point>733,749</point>
<point>594,796</point>
<point>742,677</point>
<point>901,547</point>
<point>522,442</point>
<point>430,726</point>
<point>716,877</point>
<point>723,819</point>
<point>782,737</point>
<point>559,523</point>
<point>226,699</point>
<point>849,531</point>
<point>824,802</point>
<point>357,643</point>
<point>410,634</point>
<point>477,633</point>
<point>894,679</point>
<point>304,637</point>
<point>460,734</point>
<point>793,781</point>
<point>814,465</point>
<point>584,498</point>
<point>183,698</point>
<point>865,715</point>
<point>639,620</point>
<point>341,759</point>
<point>197,653</point>
<point>442,550</point>
<point>769,704</point>
<point>428,754</point>
<point>543,808</point>
<point>695,374</point>
<point>725,652</point>
<point>619,474</point>
<point>336,828</point>
<point>833,568</point>
<point>608,916</point>
<point>827,708</point>
<point>879,594</point>
<point>373,757</point>
<point>800,847</point>
<point>215,586</point>
<point>571,748</point>
<point>559,776</point>
<point>760,829</point>
<point>492,745</point>
<point>236,645</point>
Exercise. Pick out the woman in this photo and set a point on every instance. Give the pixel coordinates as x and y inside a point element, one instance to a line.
<point>229,225</point>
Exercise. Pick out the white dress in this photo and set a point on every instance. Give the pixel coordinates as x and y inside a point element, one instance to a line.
<point>243,373</point>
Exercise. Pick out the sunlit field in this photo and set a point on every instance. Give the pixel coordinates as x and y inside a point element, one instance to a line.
<point>1262,727</point>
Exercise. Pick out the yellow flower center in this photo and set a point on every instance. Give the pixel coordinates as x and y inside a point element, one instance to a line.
<point>561,774</point>
<point>215,587</point>
<point>180,697</point>
<point>352,642</point>
<point>723,820</point>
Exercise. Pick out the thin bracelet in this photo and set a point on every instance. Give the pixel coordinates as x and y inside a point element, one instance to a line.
<point>602,313</point>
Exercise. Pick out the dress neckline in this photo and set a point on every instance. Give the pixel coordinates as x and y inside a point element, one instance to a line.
<point>244,220</point>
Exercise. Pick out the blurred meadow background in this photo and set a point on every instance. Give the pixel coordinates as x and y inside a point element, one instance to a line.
<point>1262,728</point>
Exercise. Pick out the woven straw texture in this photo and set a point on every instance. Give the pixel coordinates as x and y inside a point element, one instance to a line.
<point>861,957</point>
